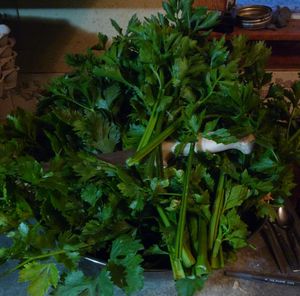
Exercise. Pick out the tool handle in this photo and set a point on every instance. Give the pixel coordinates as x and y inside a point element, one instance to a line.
<point>275,247</point>
<point>295,245</point>
<point>286,246</point>
<point>282,280</point>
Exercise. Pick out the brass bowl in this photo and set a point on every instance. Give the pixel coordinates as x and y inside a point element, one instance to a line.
<point>254,17</point>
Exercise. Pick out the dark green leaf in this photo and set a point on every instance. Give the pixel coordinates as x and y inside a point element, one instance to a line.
<point>235,196</point>
<point>189,286</point>
<point>102,41</point>
<point>116,26</point>
<point>76,284</point>
<point>91,193</point>
<point>265,163</point>
<point>124,264</point>
<point>221,136</point>
<point>210,21</point>
<point>106,287</point>
<point>234,229</point>
<point>29,170</point>
<point>296,89</point>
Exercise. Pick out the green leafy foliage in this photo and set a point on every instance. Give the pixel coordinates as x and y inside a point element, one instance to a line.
<point>192,19</point>
<point>124,264</point>
<point>91,194</point>
<point>97,132</point>
<point>76,283</point>
<point>234,229</point>
<point>40,276</point>
<point>235,196</point>
<point>189,286</point>
<point>123,269</point>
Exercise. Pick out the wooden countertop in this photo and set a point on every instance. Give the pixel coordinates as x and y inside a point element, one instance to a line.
<point>285,44</point>
<point>288,33</point>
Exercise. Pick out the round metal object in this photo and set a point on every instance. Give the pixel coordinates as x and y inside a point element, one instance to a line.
<point>260,24</point>
<point>266,19</point>
<point>254,17</point>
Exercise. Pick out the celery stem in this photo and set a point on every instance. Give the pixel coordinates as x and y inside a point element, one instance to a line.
<point>217,209</point>
<point>183,207</point>
<point>202,264</point>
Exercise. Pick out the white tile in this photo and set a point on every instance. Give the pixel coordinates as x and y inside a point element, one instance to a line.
<point>292,4</point>
<point>91,20</point>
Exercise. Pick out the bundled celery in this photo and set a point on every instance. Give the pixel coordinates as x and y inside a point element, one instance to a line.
<point>161,79</point>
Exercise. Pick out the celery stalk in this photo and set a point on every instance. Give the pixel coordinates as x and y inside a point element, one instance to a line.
<point>202,264</point>
<point>183,207</point>
<point>221,257</point>
<point>177,268</point>
<point>215,262</point>
<point>178,271</point>
<point>188,259</point>
<point>218,261</point>
<point>217,244</point>
<point>217,209</point>
<point>149,147</point>
<point>150,127</point>
<point>193,229</point>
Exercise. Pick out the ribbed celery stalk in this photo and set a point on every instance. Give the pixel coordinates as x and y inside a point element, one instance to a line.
<point>215,262</point>
<point>202,265</point>
<point>150,146</point>
<point>216,213</point>
<point>218,261</point>
<point>215,234</point>
<point>183,205</point>
<point>178,271</point>
<point>193,229</point>
<point>150,127</point>
<point>217,243</point>
<point>188,259</point>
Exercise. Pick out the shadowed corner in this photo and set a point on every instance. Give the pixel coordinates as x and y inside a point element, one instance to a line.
<point>42,43</point>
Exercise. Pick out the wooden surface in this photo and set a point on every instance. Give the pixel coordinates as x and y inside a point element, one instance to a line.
<point>289,33</point>
<point>285,44</point>
<point>212,4</point>
<point>285,55</point>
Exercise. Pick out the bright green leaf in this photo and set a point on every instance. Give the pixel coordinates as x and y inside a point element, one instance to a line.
<point>40,277</point>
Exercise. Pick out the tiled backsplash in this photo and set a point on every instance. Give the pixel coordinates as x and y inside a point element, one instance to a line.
<point>45,33</point>
<point>292,4</point>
